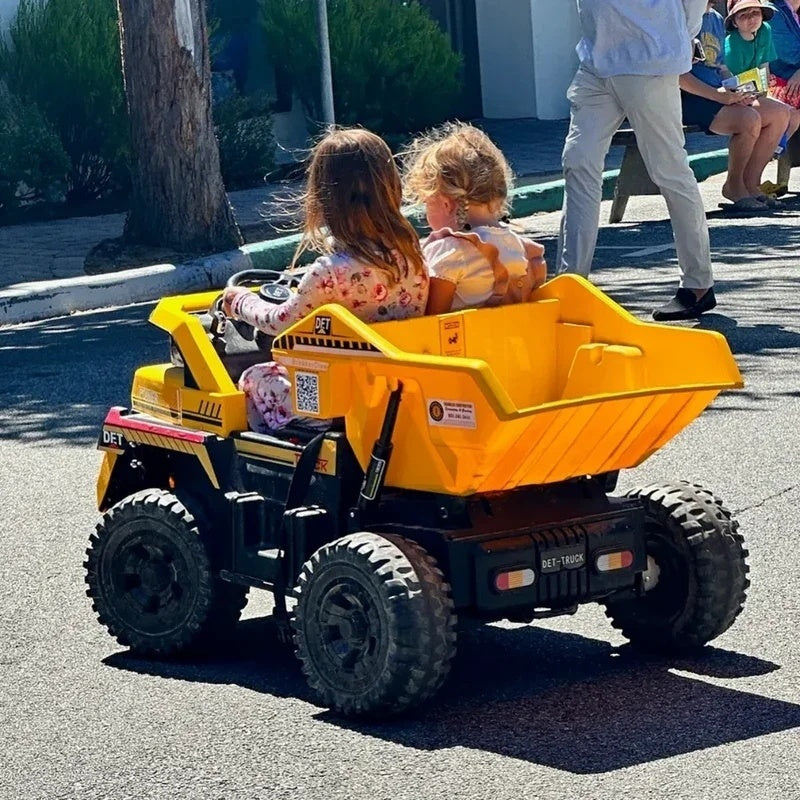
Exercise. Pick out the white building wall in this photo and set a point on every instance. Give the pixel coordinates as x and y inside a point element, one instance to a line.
<point>556,32</point>
<point>505,45</point>
<point>527,55</point>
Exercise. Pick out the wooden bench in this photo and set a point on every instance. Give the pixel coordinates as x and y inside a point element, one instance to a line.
<point>633,176</point>
<point>789,158</point>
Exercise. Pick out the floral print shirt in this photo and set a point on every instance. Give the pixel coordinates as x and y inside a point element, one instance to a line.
<point>362,288</point>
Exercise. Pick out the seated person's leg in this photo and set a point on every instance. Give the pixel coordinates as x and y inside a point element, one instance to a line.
<point>774,114</point>
<point>774,121</point>
<point>267,390</point>
<point>699,111</point>
<point>743,125</point>
<point>794,123</point>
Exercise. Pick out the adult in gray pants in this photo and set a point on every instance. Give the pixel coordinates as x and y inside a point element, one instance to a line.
<point>631,56</point>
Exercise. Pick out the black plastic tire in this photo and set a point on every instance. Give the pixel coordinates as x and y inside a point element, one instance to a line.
<point>702,580</point>
<point>151,582</point>
<point>374,625</point>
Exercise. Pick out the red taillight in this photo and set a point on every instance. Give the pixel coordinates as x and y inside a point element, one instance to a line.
<point>515,579</point>
<point>611,561</point>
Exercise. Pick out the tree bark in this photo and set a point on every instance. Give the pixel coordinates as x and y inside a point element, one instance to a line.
<point>178,199</point>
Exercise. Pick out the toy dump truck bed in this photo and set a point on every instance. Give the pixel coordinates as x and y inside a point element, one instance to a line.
<point>567,385</point>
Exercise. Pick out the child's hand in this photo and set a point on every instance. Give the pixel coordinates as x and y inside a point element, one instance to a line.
<point>731,98</point>
<point>537,269</point>
<point>748,99</point>
<point>793,85</point>
<point>228,297</point>
<point>537,266</point>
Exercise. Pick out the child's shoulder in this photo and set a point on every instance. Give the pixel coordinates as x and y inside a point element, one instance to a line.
<point>447,238</point>
<point>439,245</point>
<point>338,260</point>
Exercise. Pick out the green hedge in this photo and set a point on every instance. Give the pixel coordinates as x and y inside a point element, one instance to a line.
<point>246,144</point>
<point>64,57</point>
<point>33,164</point>
<point>393,68</point>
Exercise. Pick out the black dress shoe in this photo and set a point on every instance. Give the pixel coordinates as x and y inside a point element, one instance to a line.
<point>685,305</point>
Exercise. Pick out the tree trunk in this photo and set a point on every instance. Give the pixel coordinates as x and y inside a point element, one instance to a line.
<point>178,199</point>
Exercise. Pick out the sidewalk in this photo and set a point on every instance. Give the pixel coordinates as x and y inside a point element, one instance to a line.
<point>55,250</point>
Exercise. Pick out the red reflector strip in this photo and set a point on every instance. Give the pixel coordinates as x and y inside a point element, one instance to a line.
<point>516,579</point>
<point>611,561</point>
<point>114,417</point>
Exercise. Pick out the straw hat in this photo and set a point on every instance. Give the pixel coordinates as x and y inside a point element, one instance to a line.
<point>735,6</point>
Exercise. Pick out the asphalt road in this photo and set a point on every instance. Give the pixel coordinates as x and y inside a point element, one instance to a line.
<point>557,710</point>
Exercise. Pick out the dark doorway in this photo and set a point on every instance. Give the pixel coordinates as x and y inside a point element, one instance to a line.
<point>459,20</point>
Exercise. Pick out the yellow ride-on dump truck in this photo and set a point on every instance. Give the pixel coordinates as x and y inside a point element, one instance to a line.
<point>468,469</point>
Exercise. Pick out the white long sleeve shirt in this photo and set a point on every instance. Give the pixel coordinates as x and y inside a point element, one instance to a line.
<point>638,37</point>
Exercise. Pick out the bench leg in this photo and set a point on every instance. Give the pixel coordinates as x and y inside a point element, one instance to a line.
<point>618,206</point>
<point>784,169</point>
<point>633,179</point>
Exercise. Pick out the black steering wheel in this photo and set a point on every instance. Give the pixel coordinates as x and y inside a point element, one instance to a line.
<point>275,287</point>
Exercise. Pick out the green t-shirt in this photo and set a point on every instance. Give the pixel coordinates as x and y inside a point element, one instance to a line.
<point>741,55</point>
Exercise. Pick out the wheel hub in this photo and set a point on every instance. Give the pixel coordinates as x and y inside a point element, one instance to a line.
<point>156,576</point>
<point>666,577</point>
<point>354,629</point>
<point>349,621</point>
<point>149,578</point>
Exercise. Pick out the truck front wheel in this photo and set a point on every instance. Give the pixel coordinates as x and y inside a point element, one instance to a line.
<point>151,581</point>
<point>374,625</point>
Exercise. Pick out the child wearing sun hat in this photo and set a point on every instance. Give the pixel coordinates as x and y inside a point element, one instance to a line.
<point>748,44</point>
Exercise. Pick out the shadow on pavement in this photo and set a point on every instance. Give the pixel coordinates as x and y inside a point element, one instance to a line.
<point>750,339</point>
<point>557,699</point>
<point>59,378</point>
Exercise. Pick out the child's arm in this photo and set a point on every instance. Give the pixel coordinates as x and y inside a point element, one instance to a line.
<point>731,57</point>
<point>537,266</point>
<point>440,296</point>
<point>770,53</point>
<point>693,85</point>
<point>317,287</point>
<point>445,264</point>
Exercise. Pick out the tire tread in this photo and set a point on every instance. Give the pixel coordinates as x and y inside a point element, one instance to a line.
<point>717,562</point>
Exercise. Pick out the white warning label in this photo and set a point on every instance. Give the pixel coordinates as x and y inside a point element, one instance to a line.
<point>451,414</point>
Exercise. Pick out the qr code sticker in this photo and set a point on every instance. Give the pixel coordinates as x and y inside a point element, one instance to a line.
<point>306,392</point>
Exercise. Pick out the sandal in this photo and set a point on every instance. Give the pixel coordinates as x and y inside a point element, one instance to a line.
<point>769,200</point>
<point>744,205</point>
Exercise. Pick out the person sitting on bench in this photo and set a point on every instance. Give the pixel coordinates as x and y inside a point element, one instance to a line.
<point>755,124</point>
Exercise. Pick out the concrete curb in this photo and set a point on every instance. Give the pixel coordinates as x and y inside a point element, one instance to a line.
<point>28,302</point>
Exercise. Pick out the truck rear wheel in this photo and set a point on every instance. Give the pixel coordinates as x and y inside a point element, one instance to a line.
<point>374,625</point>
<point>151,581</point>
<point>697,571</point>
